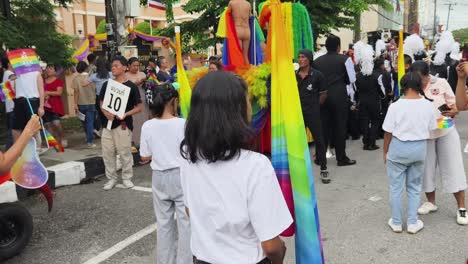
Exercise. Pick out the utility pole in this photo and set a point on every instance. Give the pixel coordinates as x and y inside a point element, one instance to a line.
<point>435,18</point>
<point>6,8</point>
<point>111,29</point>
<point>448,16</point>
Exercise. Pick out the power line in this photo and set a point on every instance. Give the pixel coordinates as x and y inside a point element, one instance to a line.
<point>384,16</point>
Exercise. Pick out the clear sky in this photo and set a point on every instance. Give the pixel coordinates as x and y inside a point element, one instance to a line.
<point>458,15</point>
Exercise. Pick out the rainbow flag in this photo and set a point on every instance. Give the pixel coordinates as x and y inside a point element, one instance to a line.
<point>51,141</point>
<point>6,91</point>
<point>153,79</point>
<point>185,92</point>
<point>290,152</point>
<point>401,62</point>
<point>82,52</point>
<point>24,61</point>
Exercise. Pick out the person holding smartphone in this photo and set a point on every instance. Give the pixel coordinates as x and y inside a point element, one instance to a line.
<point>443,147</point>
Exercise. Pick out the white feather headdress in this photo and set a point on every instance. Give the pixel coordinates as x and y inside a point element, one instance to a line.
<point>414,44</point>
<point>364,56</point>
<point>443,47</point>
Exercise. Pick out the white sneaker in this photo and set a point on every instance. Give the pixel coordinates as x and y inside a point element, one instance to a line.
<point>91,146</point>
<point>109,185</point>
<point>97,133</point>
<point>395,228</point>
<point>330,154</point>
<point>127,184</point>
<point>414,228</point>
<point>426,208</point>
<point>462,217</point>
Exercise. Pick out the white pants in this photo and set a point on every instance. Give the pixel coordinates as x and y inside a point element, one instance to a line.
<point>117,142</point>
<point>172,247</point>
<point>444,154</point>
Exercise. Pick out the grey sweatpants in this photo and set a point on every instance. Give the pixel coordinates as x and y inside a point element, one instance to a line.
<point>171,247</point>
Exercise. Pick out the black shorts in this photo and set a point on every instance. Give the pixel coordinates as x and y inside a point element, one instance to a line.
<point>51,118</point>
<point>23,112</point>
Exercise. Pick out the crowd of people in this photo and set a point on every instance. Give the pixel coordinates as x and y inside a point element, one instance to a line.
<point>203,166</point>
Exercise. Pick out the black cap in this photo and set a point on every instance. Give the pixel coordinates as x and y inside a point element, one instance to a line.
<point>152,59</point>
<point>308,54</point>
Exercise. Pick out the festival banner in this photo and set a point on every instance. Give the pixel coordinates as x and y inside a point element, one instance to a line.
<point>82,52</point>
<point>24,61</point>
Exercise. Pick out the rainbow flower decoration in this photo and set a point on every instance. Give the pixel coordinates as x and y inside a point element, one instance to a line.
<point>445,122</point>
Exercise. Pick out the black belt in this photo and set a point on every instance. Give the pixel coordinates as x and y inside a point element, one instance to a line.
<point>196,261</point>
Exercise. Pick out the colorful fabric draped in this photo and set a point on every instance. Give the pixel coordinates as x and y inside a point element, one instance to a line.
<point>6,92</point>
<point>83,51</point>
<point>256,37</point>
<point>52,142</point>
<point>232,53</point>
<point>185,92</point>
<point>401,62</point>
<point>290,152</point>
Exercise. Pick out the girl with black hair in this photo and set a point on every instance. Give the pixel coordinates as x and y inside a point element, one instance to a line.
<point>160,142</point>
<point>407,128</point>
<point>228,190</point>
<point>163,75</point>
<point>443,148</point>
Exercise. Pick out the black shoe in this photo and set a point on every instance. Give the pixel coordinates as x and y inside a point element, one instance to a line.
<point>373,147</point>
<point>325,177</point>
<point>366,147</point>
<point>355,138</point>
<point>347,162</point>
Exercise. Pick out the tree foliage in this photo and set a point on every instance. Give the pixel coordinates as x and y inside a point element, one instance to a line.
<point>461,35</point>
<point>32,24</point>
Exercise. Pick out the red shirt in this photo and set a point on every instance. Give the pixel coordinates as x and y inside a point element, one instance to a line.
<point>54,103</point>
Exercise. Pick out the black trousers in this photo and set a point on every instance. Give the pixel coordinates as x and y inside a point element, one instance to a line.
<point>384,105</point>
<point>334,122</point>
<point>99,117</point>
<point>313,121</point>
<point>196,261</point>
<point>369,120</point>
<point>353,124</point>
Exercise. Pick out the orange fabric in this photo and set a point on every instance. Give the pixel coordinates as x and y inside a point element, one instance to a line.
<point>236,57</point>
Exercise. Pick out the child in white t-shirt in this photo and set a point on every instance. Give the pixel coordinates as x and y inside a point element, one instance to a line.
<point>408,124</point>
<point>160,143</point>
<point>233,198</point>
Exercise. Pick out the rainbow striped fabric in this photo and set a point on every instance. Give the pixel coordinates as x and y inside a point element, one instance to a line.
<point>6,91</point>
<point>185,92</point>
<point>53,142</point>
<point>24,61</point>
<point>290,152</point>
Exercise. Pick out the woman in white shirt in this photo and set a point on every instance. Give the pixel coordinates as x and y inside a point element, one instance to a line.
<point>444,147</point>
<point>232,195</point>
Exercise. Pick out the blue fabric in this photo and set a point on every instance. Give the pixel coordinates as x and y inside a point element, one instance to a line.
<point>225,53</point>
<point>255,58</point>
<point>89,111</point>
<point>405,168</point>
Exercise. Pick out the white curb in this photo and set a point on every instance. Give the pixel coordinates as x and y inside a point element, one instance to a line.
<point>68,173</point>
<point>8,191</point>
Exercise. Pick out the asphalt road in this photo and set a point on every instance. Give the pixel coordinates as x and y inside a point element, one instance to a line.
<point>87,221</point>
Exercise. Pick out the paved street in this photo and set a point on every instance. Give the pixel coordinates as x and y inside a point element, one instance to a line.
<point>87,223</point>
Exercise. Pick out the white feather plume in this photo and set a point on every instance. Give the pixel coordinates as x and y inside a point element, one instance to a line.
<point>455,52</point>
<point>414,44</point>
<point>364,56</point>
<point>320,53</point>
<point>379,47</point>
<point>443,47</point>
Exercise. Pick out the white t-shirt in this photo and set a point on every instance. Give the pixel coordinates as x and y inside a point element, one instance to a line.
<point>160,139</point>
<point>411,119</point>
<point>26,85</point>
<point>9,104</point>
<point>234,206</point>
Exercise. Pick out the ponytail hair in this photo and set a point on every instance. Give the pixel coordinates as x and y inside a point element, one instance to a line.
<point>412,80</point>
<point>159,96</point>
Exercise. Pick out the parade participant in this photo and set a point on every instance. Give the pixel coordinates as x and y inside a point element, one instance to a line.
<point>85,101</point>
<point>118,140</point>
<point>152,67</point>
<point>443,148</point>
<point>53,89</point>
<point>160,144</point>
<point>98,78</point>
<point>462,97</point>
<point>222,179</point>
<point>9,75</point>
<point>369,95</point>
<point>339,71</point>
<point>384,79</point>
<point>138,78</point>
<point>408,125</point>
<point>215,66</point>
<point>408,62</point>
<point>92,63</point>
<point>29,85</point>
<point>163,75</point>
<point>241,10</point>
<point>313,93</point>
<point>8,159</point>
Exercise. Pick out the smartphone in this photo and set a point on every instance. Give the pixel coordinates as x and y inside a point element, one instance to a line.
<point>444,108</point>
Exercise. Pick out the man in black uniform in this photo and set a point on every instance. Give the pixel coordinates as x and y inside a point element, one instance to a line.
<point>339,71</point>
<point>313,93</point>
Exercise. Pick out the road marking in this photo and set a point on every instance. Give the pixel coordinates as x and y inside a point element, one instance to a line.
<point>142,189</point>
<point>121,245</point>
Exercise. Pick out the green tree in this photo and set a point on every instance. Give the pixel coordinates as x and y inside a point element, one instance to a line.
<point>461,35</point>
<point>32,24</point>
